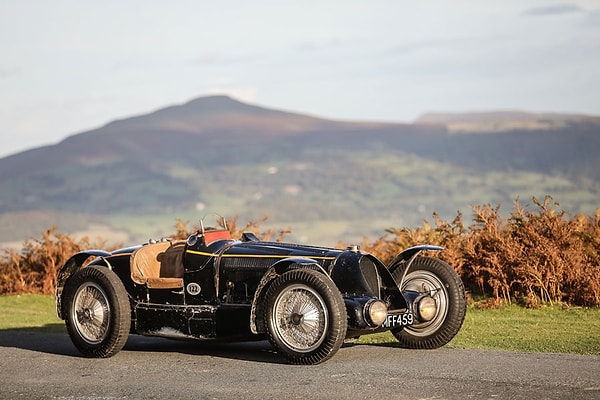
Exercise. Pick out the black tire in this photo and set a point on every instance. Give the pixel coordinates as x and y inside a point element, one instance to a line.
<point>305,316</point>
<point>97,311</point>
<point>427,274</point>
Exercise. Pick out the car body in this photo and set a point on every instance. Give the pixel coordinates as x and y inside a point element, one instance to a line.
<point>306,300</point>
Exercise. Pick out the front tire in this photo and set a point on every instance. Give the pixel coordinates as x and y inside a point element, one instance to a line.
<point>97,312</point>
<point>432,276</point>
<point>306,317</point>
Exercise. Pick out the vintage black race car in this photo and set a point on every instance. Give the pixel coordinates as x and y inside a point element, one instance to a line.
<point>306,300</point>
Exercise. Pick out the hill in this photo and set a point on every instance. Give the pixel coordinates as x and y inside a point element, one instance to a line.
<point>327,179</point>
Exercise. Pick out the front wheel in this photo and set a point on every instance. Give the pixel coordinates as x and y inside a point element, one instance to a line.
<point>305,316</point>
<point>433,277</point>
<point>97,311</point>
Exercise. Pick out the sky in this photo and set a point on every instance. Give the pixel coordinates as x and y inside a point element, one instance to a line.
<point>70,66</point>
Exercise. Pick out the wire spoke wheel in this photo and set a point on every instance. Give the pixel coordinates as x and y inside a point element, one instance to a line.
<point>91,313</point>
<point>433,277</point>
<point>305,316</point>
<point>97,311</point>
<point>425,282</point>
<point>300,318</point>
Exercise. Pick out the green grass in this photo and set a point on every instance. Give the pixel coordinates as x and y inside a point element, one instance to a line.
<point>30,312</point>
<point>551,329</point>
<point>547,329</point>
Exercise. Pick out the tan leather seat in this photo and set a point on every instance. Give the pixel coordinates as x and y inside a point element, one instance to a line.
<point>159,265</point>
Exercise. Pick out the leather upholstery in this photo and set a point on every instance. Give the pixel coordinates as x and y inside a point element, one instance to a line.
<point>159,265</point>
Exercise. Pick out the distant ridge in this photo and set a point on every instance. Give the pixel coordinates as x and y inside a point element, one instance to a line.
<point>502,121</point>
<point>490,116</point>
<point>219,154</point>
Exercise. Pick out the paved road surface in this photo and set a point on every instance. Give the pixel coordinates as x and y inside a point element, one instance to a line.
<point>47,366</point>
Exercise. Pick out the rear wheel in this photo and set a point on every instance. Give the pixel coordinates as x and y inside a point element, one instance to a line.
<point>97,311</point>
<point>435,278</point>
<point>305,316</point>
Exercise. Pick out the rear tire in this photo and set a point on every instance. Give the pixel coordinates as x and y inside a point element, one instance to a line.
<point>305,316</point>
<point>97,311</point>
<point>434,276</point>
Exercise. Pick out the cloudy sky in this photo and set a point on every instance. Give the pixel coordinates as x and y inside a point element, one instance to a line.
<point>69,66</point>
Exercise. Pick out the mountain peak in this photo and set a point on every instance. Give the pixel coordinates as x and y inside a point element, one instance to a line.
<point>215,102</point>
<point>206,105</point>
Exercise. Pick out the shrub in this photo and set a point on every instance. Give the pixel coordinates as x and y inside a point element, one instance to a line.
<point>34,268</point>
<point>534,257</point>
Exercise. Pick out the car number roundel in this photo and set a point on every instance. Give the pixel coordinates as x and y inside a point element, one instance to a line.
<point>193,289</point>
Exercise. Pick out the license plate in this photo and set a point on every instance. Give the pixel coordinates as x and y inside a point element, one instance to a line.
<point>398,320</point>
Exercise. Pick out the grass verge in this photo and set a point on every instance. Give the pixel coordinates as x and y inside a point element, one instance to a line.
<point>551,329</point>
<point>30,312</point>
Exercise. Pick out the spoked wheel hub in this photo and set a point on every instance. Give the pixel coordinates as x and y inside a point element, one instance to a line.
<point>91,313</point>
<point>439,307</point>
<point>305,316</point>
<point>297,319</point>
<point>97,311</point>
<point>300,317</point>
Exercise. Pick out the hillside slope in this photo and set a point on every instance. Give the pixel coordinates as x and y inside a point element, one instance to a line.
<point>215,153</point>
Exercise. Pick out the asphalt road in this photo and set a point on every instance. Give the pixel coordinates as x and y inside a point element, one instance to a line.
<point>47,366</point>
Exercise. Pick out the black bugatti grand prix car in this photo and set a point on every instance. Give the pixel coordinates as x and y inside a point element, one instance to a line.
<point>305,299</point>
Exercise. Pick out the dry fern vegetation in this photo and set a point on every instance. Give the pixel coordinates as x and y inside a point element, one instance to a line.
<point>34,268</point>
<point>536,256</point>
